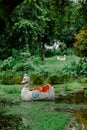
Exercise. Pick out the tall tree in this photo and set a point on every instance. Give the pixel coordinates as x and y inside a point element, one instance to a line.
<point>80,45</point>
<point>83,9</point>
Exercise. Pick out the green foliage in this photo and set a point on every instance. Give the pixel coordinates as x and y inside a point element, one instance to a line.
<point>33,23</point>
<point>9,77</point>
<point>36,60</point>
<point>38,80</point>
<point>69,51</point>
<point>83,79</point>
<point>23,67</point>
<point>51,70</point>
<point>16,79</point>
<point>7,64</point>
<point>15,53</point>
<point>62,50</point>
<point>28,26</point>
<point>82,66</point>
<point>71,70</point>
<point>77,69</point>
<point>63,47</point>
<point>83,9</point>
<point>12,89</point>
<point>49,53</point>
<point>85,94</point>
<point>57,79</point>
<point>68,21</point>
<point>80,46</point>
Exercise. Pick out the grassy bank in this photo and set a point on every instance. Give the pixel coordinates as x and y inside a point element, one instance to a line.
<point>27,115</point>
<point>19,115</point>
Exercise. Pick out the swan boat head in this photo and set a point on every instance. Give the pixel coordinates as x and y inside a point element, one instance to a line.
<point>26,79</point>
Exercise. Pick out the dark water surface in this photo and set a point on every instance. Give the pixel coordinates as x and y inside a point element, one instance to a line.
<point>79,121</point>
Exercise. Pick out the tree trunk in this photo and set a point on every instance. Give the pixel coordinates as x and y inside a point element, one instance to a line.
<point>43,51</point>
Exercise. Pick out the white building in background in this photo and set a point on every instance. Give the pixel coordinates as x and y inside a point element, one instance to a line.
<point>54,46</point>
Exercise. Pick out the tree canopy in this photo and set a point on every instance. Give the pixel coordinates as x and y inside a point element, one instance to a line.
<point>35,22</point>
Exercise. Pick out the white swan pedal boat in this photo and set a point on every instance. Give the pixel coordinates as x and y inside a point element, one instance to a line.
<point>38,93</point>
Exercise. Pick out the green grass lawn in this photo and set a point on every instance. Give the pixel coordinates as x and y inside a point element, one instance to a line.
<point>53,66</point>
<point>58,64</point>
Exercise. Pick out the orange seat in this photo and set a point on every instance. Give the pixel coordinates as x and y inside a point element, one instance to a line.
<point>45,88</point>
<point>37,88</point>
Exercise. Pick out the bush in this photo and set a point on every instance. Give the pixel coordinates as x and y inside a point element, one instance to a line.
<point>82,66</point>
<point>68,51</point>
<point>77,69</point>
<point>38,79</point>
<point>7,80</point>
<point>85,94</point>
<point>7,64</point>
<point>17,79</point>
<point>23,67</point>
<point>49,53</point>
<point>80,46</point>
<point>56,79</point>
<point>9,77</point>
<point>36,60</point>
<point>72,70</point>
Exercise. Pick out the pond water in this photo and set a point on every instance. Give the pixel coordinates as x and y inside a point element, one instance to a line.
<point>76,97</point>
<point>79,122</point>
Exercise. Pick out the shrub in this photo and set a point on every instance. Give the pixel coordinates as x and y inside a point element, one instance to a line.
<point>56,79</point>
<point>68,51</point>
<point>85,94</point>
<point>49,53</point>
<point>23,67</point>
<point>36,60</point>
<point>63,47</point>
<point>82,66</point>
<point>71,70</point>
<point>59,79</point>
<point>77,69</point>
<point>7,64</point>
<point>17,79</point>
<point>38,79</point>
<point>80,46</point>
<point>9,77</point>
<point>18,67</point>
